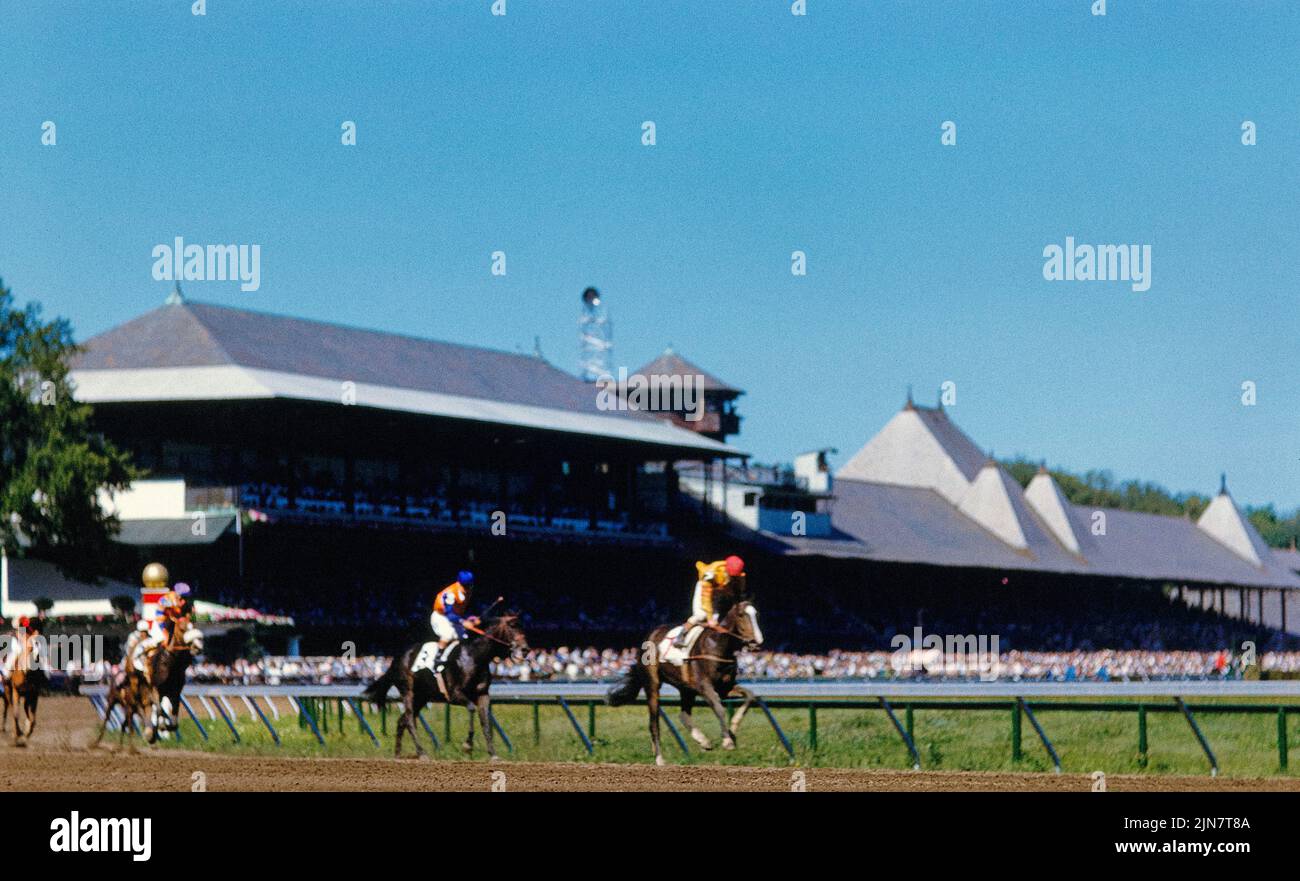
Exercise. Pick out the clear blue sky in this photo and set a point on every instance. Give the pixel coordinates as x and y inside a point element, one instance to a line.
<point>775,133</point>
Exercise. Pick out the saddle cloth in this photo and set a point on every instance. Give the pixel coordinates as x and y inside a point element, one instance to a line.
<point>428,659</point>
<point>671,654</point>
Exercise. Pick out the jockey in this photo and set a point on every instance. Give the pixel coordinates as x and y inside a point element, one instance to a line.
<point>138,635</point>
<point>171,608</point>
<point>713,580</point>
<point>448,619</point>
<point>17,640</point>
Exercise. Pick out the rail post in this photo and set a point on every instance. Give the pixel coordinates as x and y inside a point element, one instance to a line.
<point>812,726</point>
<point>305,715</point>
<point>537,723</point>
<point>234,732</point>
<point>910,720</point>
<point>1042,735</point>
<point>1205,744</point>
<point>573,720</point>
<point>907,738</point>
<point>510,747</point>
<point>1015,733</point>
<point>785,742</point>
<point>1142,736</point>
<point>194,717</point>
<point>673,728</point>
<point>365,726</point>
<point>1281,738</point>
<point>446,722</point>
<point>275,735</point>
<point>433,738</point>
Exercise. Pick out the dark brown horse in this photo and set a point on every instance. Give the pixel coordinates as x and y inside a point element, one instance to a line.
<point>708,672</point>
<point>468,676</point>
<point>167,669</point>
<point>23,688</point>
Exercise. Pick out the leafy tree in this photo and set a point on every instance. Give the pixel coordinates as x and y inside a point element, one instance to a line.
<point>52,464</point>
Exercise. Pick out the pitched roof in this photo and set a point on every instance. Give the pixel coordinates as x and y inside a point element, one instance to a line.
<point>672,364</point>
<point>205,351</point>
<point>918,447</point>
<point>921,492</point>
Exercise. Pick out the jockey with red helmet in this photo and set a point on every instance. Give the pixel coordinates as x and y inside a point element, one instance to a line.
<point>14,646</point>
<point>713,578</point>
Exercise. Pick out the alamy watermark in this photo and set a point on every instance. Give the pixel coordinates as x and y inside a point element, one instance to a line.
<point>963,654</point>
<point>1131,263</point>
<point>62,651</point>
<point>181,262</point>
<point>658,392</point>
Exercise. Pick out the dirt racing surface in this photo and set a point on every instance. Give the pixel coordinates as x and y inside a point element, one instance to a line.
<point>59,758</point>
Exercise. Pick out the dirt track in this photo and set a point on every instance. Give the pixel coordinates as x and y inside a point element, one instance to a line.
<point>58,759</point>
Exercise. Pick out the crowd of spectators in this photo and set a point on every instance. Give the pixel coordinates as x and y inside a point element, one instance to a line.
<point>437,506</point>
<point>591,664</point>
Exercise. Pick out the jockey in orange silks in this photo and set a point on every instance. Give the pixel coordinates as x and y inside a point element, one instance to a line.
<point>448,619</point>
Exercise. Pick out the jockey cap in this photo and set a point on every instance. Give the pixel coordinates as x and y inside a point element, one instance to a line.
<point>735,566</point>
<point>466,578</point>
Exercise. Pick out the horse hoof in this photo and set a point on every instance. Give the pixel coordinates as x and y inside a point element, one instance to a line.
<point>702,739</point>
<point>728,744</point>
<point>659,760</point>
<point>467,748</point>
<point>493,759</point>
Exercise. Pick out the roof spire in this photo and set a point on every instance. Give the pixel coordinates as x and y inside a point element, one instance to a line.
<point>1042,466</point>
<point>1223,483</point>
<point>909,405</point>
<point>175,298</point>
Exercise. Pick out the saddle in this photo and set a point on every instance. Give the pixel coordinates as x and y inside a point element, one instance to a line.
<point>429,659</point>
<point>670,653</point>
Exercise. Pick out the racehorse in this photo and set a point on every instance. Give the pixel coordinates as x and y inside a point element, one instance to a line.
<point>22,690</point>
<point>467,675</point>
<point>167,674</point>
<point>708,672</point>
<point>129,691</point>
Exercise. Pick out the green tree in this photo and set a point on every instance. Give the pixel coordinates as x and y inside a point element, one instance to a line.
<point>52,464</point>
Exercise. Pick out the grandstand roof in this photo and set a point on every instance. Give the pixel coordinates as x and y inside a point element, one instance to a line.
<point>200,351</point>
<point>672,364</point>
<point>916,494</point>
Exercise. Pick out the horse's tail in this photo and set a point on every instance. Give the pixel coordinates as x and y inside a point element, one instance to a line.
<point>627,690</point>
<point>377,691</point>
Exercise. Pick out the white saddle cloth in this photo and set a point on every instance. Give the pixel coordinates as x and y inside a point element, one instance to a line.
<point>671,654</point>
<point>427,659</point>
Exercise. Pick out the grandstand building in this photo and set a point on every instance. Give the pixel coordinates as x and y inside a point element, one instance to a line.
<point>920,507</point>
<point>342,475</point>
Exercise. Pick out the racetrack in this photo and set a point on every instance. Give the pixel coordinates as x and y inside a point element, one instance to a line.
<point>59,759</point>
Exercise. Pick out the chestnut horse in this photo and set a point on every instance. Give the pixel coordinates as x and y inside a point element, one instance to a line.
<point>22,690</point>
<point>708,672</point>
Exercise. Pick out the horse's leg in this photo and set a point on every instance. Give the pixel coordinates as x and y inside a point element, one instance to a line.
<point>688,702</point>
<point>468,745</point>
<point>710,694</point>
<point>652,703</point>
<point>740,711</point>
<point>31,713</point>
<point>108,714</point>
<point>417,707</point>
<point>408,700</point>
<point>485,721</point>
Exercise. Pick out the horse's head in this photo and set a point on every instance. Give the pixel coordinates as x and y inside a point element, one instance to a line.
<point>742,620</point>
<point>509,632</point>
<point>193,639</point>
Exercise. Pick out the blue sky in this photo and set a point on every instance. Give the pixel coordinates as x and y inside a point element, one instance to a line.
<point>775,133</point>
